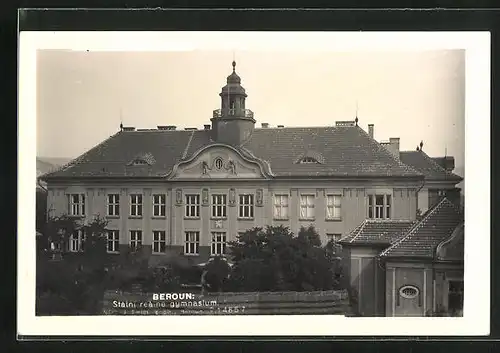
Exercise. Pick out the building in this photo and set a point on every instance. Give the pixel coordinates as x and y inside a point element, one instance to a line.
<point>407,267</point>
<point>188,192</point>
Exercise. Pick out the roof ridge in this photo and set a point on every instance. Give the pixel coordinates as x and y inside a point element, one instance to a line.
<point>413,229</point>
<point>79,159</point>
<point>435,164</point>
<point>397,160</point>
<point>363,225</point>
<point>184,154</point>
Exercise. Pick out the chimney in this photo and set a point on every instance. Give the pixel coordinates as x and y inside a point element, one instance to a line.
<point>129,128</point>
<point>166,127</point>
<point>392,146</point>
<point>370,130</point>
<point>280,126</point>
<point>394,142</point>
<point>265,125</point>
<point>206,127</point>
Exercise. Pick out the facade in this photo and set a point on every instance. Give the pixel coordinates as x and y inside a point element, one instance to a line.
<point>409,268</point>
<point>187,193</point>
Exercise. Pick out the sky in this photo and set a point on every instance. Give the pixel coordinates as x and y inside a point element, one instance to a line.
<point>419,95</point>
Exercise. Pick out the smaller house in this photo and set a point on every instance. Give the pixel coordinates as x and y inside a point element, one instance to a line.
<point>408,268</point>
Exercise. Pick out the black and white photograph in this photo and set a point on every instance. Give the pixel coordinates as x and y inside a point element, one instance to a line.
<point>254,183</point>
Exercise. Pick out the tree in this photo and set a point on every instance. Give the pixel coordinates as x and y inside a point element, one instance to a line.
<point>75,284</point>
<point>274,259</point>
<point>216,274</point>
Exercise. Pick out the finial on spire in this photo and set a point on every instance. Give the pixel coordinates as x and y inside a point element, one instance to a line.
<point>421,145</point>
<point>418,148</point>
<point>234,65</point>
<point>356,119</point>
<point>121,120</point>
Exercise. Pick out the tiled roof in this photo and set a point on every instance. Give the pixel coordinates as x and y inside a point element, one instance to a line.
<point>420,161</point>
<point>378,232</point>
<point>345,152</point>
<point>421,241</point>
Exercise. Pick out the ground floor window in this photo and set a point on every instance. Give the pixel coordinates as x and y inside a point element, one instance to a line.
<point>456,297</point>
<point>159,241</point>
<point>113,240</point>
<point>135,239</point>
<point>218,245</point>
<point>192,243</point>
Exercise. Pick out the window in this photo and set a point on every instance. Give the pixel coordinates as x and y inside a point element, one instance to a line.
<point>333,237</point>
<point>159,202</point>
<point>135,239</point>
<point>218,246</point>
<point>219,203</point>
<point>280,207</point>
<point>76,241</point>
<point>113,205</point>
<point>408,292</point>
<point>159,241</point>
<point>218,164</point>
<point>379,206</point>
<point>246,206</point>
<point>306,206</point>
<point>136,205</point>
<point>308,160</point>
<point>333,206</point>
<point>192,243</point>
<point>76,204</point>
<point>113,240</point>
<point>192,206</point>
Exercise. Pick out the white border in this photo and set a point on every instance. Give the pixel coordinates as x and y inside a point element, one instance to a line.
<point>477,165</point>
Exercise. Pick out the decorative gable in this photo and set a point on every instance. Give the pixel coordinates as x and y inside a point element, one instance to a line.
<point>219,162</point>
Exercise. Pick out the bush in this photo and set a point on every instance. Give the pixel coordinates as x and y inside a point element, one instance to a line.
<point>216,274</point>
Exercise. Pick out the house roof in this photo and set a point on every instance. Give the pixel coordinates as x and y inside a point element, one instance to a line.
<point>346,151</point>
<point>437,225</point>
<point>428,166</point>
<point>373,231</point>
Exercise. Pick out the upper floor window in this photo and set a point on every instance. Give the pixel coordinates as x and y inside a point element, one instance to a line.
<point>159,241</point>
<point>76,241</point>
<point>246,206</point>
<point>280,207</point>
<point>159,205</point>
<point>192,206</point>
<point>136,205</point>
<point>218,244</point>
<point>333,206</point>
<point>306,206</point>
<point>135,239</point>
<point>76,204</point>
<point>192,243</point>
<point>379,206</point>
<point>113,205</point>
<point>219,206</point>
<point>113,240</point>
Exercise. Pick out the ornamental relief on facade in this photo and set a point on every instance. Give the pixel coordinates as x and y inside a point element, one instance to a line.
<point>218,163</point>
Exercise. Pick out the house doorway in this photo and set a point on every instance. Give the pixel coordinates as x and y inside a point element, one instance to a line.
<point>456,298</point>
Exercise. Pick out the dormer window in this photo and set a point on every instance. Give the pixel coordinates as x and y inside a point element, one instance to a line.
<point>310,157</point>
<point>308,160</point>
<point>143,159</point>
<point>139,162</point>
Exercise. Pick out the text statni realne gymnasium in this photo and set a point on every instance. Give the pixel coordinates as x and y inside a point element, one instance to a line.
<point>166,300</point>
